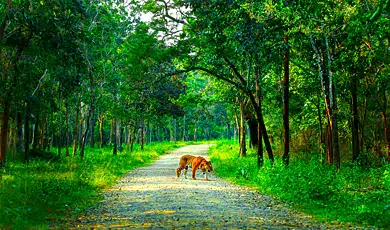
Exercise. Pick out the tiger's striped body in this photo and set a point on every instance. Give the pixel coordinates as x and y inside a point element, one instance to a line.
<point>195,163</point>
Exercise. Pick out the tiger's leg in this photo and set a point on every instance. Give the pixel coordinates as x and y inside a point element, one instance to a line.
<point>178,171</point>
<point>185,171</point>
<point>207,175</point>
<point>193,173</point>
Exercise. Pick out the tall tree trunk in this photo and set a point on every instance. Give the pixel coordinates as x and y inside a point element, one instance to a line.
<point>236,127</point>
<point>364,116</point>
<point>60,126</point>
<point>385,125</point>
<point>85,135</point>
<point>42,131</point>
<point>260,157</point>
<point>92,132</point>
<point>19,132</point>
<point>184,128</point>
<point>286,83</point>
<point>101,130</point>
<point>26,130</point>
<point>112,131</point>
<point>329,90</point>
<point>67,129</point>
<point>253,131</point>
<point>333,106</point>
<point>3,97</point>
<point>258,110</point>
<point>175,130</point>
<point>329,152</point>
<point>76,128</point>
<point>322,147</point>
<point>120,139</point>
<point>133,137</point>
<point>115,149</point>
<point>196,131</point>
<point>35,133</point>
<point>355,121</point>
<point>4,133</point>
<point>242,130</point>
<point>142,129</point>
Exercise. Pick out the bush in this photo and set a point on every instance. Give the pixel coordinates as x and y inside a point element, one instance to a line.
<point>354,194</point>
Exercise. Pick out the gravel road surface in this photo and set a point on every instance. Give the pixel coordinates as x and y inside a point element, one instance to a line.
<point>152,197</point>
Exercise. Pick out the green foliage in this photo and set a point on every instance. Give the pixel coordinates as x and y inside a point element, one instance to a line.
<point>42,191</point>
<point>353,194</point>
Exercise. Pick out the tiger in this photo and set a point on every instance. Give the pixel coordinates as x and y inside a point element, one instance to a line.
<point>195,163</point>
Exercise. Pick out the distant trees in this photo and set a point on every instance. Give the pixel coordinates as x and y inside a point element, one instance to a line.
<point>315,65</point>
<point>311,77</point>
<point>75,73</point>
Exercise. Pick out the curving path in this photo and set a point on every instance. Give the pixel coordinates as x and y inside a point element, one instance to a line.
<point>152,197</point>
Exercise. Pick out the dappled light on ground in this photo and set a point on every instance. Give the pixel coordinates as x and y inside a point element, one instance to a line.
<point>152,197</point>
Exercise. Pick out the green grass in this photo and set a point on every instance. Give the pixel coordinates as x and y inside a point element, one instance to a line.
<point>31,195</point>
<point>354,194</point>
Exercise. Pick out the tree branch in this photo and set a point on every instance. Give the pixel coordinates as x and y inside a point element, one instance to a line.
<point>39,82</point>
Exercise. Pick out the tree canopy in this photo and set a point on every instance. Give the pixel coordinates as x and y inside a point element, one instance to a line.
<point>297,76</point>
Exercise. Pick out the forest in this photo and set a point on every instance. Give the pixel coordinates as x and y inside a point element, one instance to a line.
<point>281,82</point>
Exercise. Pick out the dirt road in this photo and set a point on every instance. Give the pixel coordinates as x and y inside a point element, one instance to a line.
<point>152,197</point>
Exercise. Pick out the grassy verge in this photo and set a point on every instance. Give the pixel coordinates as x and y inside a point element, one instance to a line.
<point>355,195</point>
<point>42,191</point>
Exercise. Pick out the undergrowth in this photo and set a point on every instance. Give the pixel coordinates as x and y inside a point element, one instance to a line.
<point>41,191</point>
<point>354,194</point>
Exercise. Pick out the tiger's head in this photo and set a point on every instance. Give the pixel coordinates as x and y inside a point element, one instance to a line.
<point>206,166</point>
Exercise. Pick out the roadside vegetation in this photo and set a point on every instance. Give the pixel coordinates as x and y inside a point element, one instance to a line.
<point>354,195</point>
<point>47,190</point>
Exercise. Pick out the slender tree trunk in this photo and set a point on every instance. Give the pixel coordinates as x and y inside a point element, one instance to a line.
<point>385,125</point>
<point>114,132</point>
<point>329,152</point>
<point>101,130</point>
<point>35,133</point>
<point>120,141</point>
<point>329,89</point>
<point>363,120</point>
<point>46,144</point>
<point>253,131</point>
<point>92,132</point>
<point>4,133</point>
<point>12,140</point>
<point>60,126</point>
<point>355,121</point>
<point>286,83</point>
<point>19,132</point>
<point>3,98</point>
<point>196,131</point>
<point>333,106</point>
<point>322,147</point>
<point>242,131</point>
<point>42,131</point>
<point>85,135</point>
<point>76,129</point>
<point>133,137</point>
<point>26,130</point>
<point>67,129</point>
<point>260,157</point>
<point>228,136</point>
<point>142,129</point>
<point>237,127</point>
<point>184,128</point>
<point>175,131</point>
